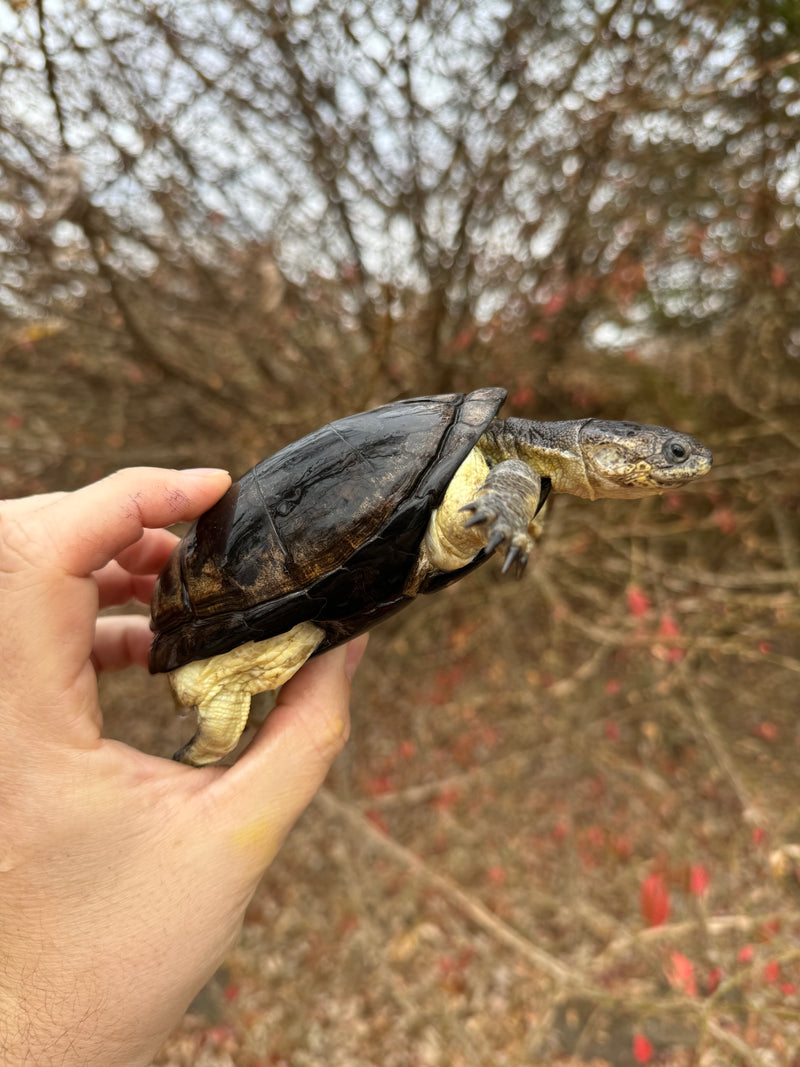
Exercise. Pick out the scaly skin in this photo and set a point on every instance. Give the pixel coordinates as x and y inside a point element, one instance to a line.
<point>595,458</point>
<point>524,460</point>
<point>491,502</point>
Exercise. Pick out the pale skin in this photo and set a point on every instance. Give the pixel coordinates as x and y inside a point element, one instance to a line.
<point>123,876</point>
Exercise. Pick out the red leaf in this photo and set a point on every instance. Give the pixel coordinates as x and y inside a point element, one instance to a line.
<point>772,972</point>
<point>444,683</point>
<point>642,1049</point>
<point>745,954</point>
<point>223,1035</point>
<point>699,879</point>
<point>713,980</point>
<point>446,799</point>
<point>725,520</point>
<point>767,731</point>
<point>680,974</point>
<point>612,730</point>
<point>622,846</point>
<point>769,928</point>
<point>379,785</point>
<point>668,630</point>
<point>674,502</point>
<point>497,874</point>
<point>522,397</point>
<point>596,836</point>
<point>779,276</point>
<point>668,627</point>
<point>560,831</point>
<point>654,900</point>
<point>463,339</point>
<point>554,304</point>
<point>639,603</point>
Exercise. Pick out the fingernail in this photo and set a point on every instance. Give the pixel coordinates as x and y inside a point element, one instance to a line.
<point>203,472</point>
<point>355,653</point>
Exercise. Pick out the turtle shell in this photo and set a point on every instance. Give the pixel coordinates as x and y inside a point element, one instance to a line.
<point>327,530</point>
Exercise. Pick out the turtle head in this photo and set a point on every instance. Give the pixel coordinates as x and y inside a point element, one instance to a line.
<point>626,459</point>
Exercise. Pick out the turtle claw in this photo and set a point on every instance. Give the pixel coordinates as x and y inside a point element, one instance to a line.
<point>496,538</point>
<point>517,558</point>
<point>478,517</point>
<point>502,528</point>
<point>506,505</point>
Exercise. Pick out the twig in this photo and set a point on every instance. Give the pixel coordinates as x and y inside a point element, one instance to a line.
<point>719,749</point>
<point>466,904</point>
<point>731,1041</point>
<point>420,794</point>
<point>716,926</point>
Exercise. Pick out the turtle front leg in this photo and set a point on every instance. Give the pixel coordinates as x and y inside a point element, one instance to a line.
<point>505,506</point>
<point>503,500</point>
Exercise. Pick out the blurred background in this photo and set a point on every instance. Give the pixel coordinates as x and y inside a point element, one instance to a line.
<point>565,830</point>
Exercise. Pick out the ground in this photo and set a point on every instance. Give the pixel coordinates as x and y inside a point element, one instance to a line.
<point>565,828</point>
<point>542,845</point>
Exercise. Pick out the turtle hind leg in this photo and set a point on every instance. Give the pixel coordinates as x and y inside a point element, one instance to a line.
<point>220,723</point>
<point>220,688</point>
<point>505,506</point>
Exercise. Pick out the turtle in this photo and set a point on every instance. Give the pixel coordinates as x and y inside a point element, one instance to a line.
<point>346,526</point>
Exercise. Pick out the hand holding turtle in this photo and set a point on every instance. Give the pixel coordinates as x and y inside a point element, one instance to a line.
<point>123,877</point>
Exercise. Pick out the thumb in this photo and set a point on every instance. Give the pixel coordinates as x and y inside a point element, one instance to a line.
<point>272,783</point>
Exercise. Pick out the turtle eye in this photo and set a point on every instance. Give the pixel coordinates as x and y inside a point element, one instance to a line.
<point>674,450</point>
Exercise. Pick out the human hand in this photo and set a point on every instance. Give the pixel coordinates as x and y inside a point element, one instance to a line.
<point>124,877</point>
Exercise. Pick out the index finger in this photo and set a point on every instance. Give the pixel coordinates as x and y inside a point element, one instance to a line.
<point>19,505</point>
<point>48,560</point>
<point>84,530</point>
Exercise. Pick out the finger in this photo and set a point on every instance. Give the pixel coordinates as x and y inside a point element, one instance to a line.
<point>21,505</point>
<point>82,531</point>
<point>264,793</point>
<point>149,554</point>
<point>121,641</point>
<point>133,574</point>
<point>117,586</point>
<point>47,555</point>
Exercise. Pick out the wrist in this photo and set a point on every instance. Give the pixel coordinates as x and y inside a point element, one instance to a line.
<point>58,1008</point>
<point>45,1022</point>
